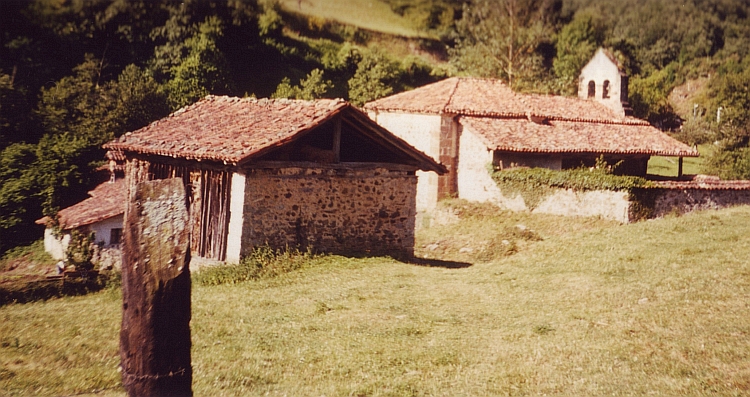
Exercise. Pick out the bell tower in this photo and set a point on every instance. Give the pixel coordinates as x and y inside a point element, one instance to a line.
<point>604,80</point>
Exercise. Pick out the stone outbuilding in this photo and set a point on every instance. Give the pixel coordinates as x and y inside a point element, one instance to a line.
<point>317,175</point>
<point>472,124</point>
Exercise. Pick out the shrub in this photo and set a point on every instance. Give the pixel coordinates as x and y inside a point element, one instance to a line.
<point>263,262</point>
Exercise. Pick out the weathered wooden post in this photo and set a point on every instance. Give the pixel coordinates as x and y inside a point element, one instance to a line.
<point>155,334</point>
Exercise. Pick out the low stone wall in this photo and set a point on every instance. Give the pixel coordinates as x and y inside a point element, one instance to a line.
<point>338,210</point>
<point>648,203</point>
<point>663,201</point>
<point>607,204</point>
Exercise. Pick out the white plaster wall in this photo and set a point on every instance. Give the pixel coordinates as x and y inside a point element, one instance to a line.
<point>607,204</point>
<point>102,230</point>
<point>423,132</point>
<point>54,246</point>
<point>601,68</point>
<point>474,180</point>
<point>234,234</point>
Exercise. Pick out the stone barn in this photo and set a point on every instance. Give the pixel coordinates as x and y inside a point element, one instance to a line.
<point>472,124</point>
<point>317,175</point>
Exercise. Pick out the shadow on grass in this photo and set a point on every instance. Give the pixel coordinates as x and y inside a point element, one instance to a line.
<point>438,263</point>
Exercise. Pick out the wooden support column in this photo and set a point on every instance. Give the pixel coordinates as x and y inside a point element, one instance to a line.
<point>679,168</point>
<point>155,333</point>
<point>337,139</point>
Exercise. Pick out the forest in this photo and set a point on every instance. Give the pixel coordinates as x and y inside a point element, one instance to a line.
<point>75,74</point>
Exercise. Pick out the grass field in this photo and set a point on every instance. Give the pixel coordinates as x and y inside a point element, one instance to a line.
<point>668,166</point>
<point>373,15</point>
<point>578,307</point>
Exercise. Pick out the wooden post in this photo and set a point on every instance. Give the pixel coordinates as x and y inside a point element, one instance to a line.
<point>679,168</point>
<point>155,334</point>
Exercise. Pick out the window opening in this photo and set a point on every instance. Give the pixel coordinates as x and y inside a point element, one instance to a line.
<point>115,236</point>
<point>605,89</point>
<point>592,89</point>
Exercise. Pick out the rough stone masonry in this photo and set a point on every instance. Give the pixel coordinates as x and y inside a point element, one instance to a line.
<point>337,210</point>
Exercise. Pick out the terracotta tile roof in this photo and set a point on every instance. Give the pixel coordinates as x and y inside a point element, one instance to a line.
<point>234,130</point>
<point>523,135</point>
<point>115,155</point>
<point>703,182</point>
<point>489,97</point>
<point>227,129</point>
<point>107,200</point>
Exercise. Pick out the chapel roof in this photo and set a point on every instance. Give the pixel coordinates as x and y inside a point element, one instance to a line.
<point>493,98</point>
<point>236,130</point>
<point>534,123</point>
<point>561,136</point>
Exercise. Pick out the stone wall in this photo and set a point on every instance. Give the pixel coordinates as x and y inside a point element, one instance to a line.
<point>668,201</point>
<point>620,206</point>
<point>607,204</point>
<point>337,210</point>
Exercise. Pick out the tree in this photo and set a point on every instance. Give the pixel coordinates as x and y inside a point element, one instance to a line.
<point>15,114</point>
<point>80,105</point>
<point>576,44</point>
<point>376,77</point>
<point>309,88</point>
<point>140,100</point>
<point>19,206</point>
<point>203,71</point>
<point>501,38</point>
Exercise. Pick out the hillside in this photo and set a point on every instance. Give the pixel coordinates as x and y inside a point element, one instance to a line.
<point>593,308</point>
<point>373,15</point>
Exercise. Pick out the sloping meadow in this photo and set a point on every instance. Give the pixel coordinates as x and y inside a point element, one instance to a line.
<point>579,307</point>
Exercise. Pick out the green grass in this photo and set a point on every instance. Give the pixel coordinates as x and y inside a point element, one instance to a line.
<point>372,15</point>
<point>33,254</point>
<point>593,308</point>
<point>668,166</point>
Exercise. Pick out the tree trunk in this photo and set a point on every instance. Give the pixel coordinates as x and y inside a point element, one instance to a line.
<point>155,334</point>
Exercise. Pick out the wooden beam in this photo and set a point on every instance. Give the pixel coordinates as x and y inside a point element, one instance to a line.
<point>155,332</point>
<point>337,139</point>
<point>679,168</point>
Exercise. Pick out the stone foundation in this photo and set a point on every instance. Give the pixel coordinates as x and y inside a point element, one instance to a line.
<point>336,210</point>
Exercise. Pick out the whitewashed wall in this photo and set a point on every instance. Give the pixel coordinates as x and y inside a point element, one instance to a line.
<point>423,132</point>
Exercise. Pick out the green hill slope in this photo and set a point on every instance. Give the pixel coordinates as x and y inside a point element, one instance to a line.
<point>372,15</point>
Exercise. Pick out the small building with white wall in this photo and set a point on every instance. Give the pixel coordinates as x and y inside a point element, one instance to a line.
<point>101,214</point>
<point>473,126</point>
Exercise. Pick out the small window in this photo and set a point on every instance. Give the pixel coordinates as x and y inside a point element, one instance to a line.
<point>115,236</point>
<point>592,89</point>
<point>605,89</point>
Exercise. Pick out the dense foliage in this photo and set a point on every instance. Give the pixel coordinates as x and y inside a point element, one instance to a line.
<point>78,73</point>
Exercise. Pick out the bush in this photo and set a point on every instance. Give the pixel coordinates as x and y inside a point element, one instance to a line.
<point>263,262</point>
